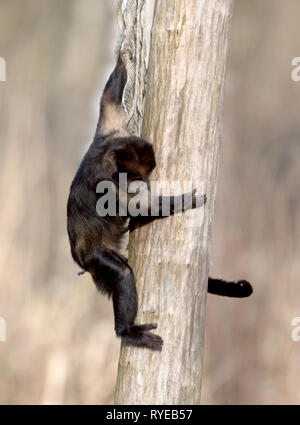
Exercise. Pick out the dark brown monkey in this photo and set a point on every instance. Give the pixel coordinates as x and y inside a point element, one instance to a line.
<point>97,241</point>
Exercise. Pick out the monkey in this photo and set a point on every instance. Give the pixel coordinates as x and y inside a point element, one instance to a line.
<point>96,241</point>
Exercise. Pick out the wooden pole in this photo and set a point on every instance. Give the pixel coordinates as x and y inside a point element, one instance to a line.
<point>182,119</point>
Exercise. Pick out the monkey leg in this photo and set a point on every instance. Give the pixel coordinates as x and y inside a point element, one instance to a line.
<point>240,289</point>
<point>114,276</point>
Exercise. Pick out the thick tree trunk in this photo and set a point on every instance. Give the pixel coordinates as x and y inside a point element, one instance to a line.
<point>183,113</point>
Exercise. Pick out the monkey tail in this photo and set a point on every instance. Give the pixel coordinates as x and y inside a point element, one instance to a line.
<point>240,289</point>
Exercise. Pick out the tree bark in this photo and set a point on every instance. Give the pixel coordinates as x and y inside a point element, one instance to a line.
<point>183,113</point>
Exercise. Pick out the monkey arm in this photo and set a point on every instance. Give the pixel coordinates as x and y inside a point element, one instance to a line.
<point>166,206</point>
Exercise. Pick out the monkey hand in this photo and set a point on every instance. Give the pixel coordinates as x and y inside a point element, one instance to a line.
<point>196,201</point>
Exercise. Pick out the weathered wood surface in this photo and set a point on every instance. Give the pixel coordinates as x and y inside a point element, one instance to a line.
<point>183,114</point>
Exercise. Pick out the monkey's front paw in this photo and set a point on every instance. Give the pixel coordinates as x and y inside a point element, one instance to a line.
<point>198,200</point>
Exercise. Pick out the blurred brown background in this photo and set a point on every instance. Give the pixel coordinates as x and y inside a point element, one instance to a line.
<point>60,344</point>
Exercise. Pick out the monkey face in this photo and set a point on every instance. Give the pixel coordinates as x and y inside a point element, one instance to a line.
<point>136,158</point>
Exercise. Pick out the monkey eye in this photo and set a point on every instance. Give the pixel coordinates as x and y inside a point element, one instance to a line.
<point>125,155</point>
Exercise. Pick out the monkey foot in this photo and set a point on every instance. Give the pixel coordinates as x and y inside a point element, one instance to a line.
<point>138,335</point>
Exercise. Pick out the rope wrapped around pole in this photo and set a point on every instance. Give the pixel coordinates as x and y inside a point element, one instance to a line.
<point>131,39</point>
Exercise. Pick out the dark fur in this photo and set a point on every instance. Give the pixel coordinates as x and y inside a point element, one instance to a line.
<point>95,240</point>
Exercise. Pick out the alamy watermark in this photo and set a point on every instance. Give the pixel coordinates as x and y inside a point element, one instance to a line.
<point>135,198</point>
<point>2,69</point>
<point>296,71</point>
<point>2,329</point>
<point>295,334</point>
<point>2,320</point>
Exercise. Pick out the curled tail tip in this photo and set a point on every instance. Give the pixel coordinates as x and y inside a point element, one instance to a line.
<point>240,289</point>
<point>245,288</point>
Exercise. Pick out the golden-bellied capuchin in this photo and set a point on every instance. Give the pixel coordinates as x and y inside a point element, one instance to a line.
<point>97,241</point>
